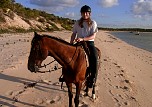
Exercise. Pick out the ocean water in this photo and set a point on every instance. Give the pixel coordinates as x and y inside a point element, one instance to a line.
<point>141,40</point>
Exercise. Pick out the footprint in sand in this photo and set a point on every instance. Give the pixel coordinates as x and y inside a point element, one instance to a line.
<point>46,81</point>
<point>120,96</point>
<point>55,100</point>
<point>105,60</point>
<point>115,99</point>
<point>39,101</point>
<point>115,63</point>
<point>122,75</point>
<point>111,92</point>
<point>56,83</point>
<point>122,70</point>
<point>127,81</point>
<point>15,93</point>
<point>126,88</point>
<point>118,66</point>
<point>126,103</point>
<point>117,102</point>
<point>83,104</point>
<point>9,93</point>
<point>133,98</point>
<point>109,79</point>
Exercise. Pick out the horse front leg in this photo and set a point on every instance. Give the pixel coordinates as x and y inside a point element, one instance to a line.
<point>78,89</point>
<point>69,85</point>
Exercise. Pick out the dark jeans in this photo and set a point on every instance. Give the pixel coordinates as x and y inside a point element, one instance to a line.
<point>93,59</point>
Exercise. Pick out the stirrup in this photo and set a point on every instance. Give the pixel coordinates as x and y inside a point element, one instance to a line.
<point>61,79</point>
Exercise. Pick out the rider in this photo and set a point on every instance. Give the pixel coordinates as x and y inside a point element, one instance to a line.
<point>85,29</point>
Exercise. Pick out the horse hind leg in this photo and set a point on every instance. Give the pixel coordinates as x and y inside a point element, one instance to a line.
<point>86,91</point>
<point>93,90</point>
<point>93,93</point>
<point>87,85</point>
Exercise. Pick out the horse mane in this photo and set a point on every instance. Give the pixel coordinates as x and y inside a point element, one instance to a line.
<point>58,39</point>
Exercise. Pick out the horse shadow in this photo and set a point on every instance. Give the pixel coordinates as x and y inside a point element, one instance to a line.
<point>14,79</point>
<point>5,103</point>
<point>39,85</point>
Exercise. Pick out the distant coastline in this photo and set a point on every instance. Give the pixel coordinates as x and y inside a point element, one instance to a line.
<point>126,29</point>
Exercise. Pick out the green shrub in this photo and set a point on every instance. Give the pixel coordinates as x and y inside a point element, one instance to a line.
<point>42,20</point>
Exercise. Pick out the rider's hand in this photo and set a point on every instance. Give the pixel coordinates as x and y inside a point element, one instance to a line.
<point>79,39</point>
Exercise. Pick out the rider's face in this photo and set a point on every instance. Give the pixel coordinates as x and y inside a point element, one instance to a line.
<point>85,15</point>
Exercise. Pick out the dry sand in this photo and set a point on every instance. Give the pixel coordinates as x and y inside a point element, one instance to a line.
<point>124,78</point>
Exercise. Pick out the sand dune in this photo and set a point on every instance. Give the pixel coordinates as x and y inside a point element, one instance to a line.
<point>124,78</point>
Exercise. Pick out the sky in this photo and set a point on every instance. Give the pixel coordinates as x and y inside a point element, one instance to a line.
<point>107,13</point>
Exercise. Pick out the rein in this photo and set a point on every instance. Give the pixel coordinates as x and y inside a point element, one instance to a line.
<point>47,64</point>
<point>55,67</point>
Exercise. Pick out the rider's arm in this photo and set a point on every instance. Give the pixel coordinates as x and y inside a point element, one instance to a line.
<point>90,37</point>
<point>73,37</point>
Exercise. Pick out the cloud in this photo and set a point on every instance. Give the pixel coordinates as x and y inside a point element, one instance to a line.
<point>142,9</point>
<point>54,5</point>
<point>108,3</point>
<point>70,14</point>
<point>48,3</point>
<point>103,15</point>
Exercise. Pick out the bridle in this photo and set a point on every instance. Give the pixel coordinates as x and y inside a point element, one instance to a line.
<point>45,65</point>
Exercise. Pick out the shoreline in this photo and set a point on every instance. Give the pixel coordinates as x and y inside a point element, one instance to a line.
<point>124,77</point>
<point>142,41</point>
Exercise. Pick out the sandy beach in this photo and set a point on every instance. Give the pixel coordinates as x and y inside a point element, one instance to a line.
<point>124,78</point>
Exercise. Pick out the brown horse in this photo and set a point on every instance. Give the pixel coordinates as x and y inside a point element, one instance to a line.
<point>71,58</point>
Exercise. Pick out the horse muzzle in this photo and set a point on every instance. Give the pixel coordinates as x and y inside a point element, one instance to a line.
<point>33,68</point>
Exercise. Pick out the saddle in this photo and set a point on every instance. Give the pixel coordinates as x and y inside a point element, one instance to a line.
<point>86,49</point>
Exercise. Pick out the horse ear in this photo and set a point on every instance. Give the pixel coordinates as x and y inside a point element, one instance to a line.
<point>35,33</point>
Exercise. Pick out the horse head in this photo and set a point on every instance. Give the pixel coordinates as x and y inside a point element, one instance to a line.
<point>38,53</point>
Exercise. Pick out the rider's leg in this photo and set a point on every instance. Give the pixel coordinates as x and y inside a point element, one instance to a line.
<point>93,58</point>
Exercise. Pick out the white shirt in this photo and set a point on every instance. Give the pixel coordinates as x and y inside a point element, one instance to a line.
<point>85,30</point>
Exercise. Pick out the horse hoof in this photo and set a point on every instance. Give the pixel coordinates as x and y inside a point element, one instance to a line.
<point>85,95</point>
<point>93,96</point>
